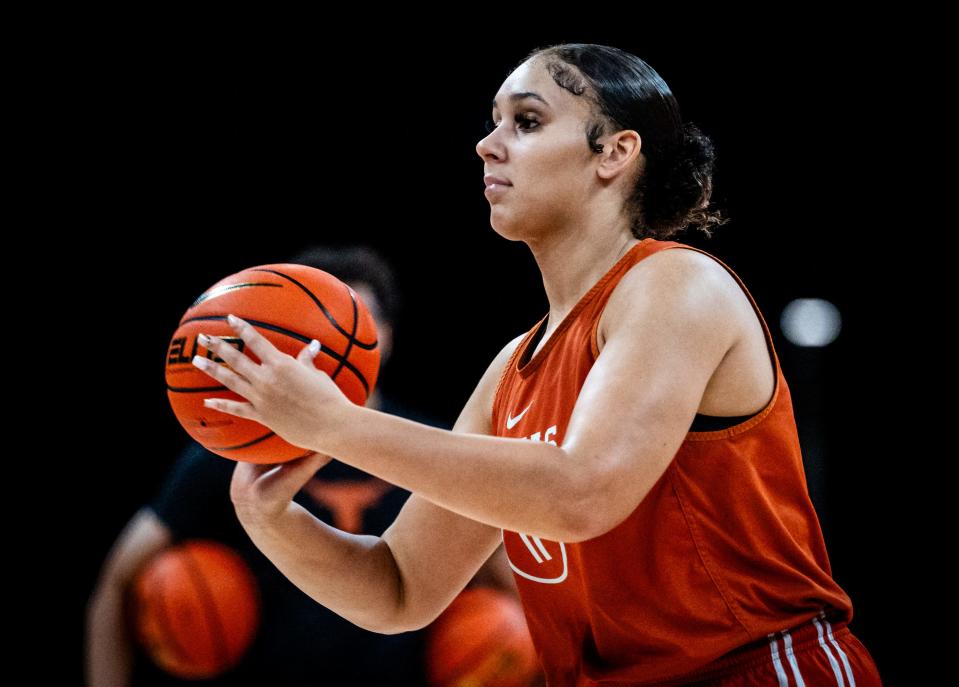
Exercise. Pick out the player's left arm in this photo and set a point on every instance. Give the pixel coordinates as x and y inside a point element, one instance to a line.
<point>669,323</point>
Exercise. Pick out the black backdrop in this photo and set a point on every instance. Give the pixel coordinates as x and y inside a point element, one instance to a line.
<point>188,161</point>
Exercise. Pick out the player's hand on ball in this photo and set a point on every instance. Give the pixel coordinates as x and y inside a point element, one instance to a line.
<point>288,395</point>
<point>261,492</point>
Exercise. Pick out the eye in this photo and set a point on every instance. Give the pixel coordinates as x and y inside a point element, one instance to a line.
<point>526,123</point>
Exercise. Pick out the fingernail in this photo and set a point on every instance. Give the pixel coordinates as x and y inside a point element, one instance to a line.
<point>314,347</point>
<point>203,339</point>
<point>199,361</point>
<point>232,320</point>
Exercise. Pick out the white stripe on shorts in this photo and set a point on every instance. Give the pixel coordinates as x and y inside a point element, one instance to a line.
<point>777,664</point>
<point>842,654</point>
<point>788,641</point>
<point>832,660</point>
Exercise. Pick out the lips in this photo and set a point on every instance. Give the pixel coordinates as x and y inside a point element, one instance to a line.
<point>489,180</point>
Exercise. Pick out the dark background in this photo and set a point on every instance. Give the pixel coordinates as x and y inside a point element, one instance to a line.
<point>190,159</point>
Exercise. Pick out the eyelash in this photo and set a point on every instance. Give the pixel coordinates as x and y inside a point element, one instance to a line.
<point>519,119</point>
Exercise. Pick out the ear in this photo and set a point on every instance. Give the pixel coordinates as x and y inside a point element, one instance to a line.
<point>620,153</point>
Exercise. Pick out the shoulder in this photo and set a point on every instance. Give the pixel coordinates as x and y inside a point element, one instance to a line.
<point>497,368</point>
<point>492,378</point>
<point>511,347</point>
<point>677,282</point>
<point>675,267</point>
<point>502,358</point>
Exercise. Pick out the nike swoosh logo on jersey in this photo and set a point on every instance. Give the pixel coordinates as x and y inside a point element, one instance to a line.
<point>511,421</point>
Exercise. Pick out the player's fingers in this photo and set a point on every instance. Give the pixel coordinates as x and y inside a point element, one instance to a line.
<point>309,352</point>
<point>240,409</point>
<point>244,475</point>
<point>230,379</point>
<point>258,343</point>
<point>237,360</point>
<point>269,491</point>
<point>251,471</point>
<point>293,474</point>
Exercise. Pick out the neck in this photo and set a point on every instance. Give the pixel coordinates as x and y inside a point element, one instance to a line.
<point>572,262</point>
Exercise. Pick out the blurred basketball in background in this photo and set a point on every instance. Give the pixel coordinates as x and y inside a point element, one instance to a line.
<point>290,305</point>
<point>482,640</point>
<point>195,609</point>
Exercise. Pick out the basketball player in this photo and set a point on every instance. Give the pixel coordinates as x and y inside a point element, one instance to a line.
<point>641,460</point>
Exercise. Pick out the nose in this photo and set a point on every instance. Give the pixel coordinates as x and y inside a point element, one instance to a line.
<point>486,147</point>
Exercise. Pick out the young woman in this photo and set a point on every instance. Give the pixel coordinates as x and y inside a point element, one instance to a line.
<point>636,450</point>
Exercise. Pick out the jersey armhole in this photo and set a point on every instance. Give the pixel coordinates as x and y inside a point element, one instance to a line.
<point>594,338</point>
<point>504,375</point>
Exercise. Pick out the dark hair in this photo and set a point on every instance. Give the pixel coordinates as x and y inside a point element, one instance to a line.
<point>357,263</point>
<point>674,189</point>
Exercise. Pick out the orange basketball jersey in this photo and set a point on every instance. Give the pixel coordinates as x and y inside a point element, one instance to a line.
<point>724,549</point>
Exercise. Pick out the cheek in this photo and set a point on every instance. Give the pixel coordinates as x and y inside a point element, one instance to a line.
<point>552,172</point>
<point>560,182</point>
<point>563,162</point>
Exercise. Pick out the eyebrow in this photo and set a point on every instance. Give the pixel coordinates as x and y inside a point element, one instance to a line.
<point>514,97</point>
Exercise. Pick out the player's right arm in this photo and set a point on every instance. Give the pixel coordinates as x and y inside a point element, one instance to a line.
<point>109,646</point>
<point>395,583</point>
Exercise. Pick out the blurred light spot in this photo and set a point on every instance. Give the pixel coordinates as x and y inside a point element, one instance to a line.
<point>811,322</point>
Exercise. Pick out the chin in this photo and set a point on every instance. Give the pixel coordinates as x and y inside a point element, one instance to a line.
<point>507,229</point>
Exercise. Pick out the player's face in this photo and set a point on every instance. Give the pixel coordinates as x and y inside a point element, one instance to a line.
<point>541,149</point>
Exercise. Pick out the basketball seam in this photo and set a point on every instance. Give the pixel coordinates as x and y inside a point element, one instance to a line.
<point>319,303</point>
<point>343,362</point>
<point>241,446</point>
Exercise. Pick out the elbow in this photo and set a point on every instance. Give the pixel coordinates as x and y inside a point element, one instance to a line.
<point>576,536</point>
<point>583,513</point>
<point>380,625</point>
<point>399,626</point>
<point>581,524</point>
<point>600,503</point>
<point>385,629</point>
<point>600,516</point>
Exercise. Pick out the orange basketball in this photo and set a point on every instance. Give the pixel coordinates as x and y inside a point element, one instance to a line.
<point>290,305</point>
<point>482,639</point>
<point>195,608</point>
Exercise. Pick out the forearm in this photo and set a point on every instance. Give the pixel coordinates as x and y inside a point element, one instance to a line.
<point>109,647</point>
<point>514,484</point>
<point>355,576</point>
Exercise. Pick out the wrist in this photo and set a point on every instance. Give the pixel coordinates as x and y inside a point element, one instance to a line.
<point>333,434</point>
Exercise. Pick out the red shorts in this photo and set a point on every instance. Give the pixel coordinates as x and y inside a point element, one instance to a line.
<point>814,654</point>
